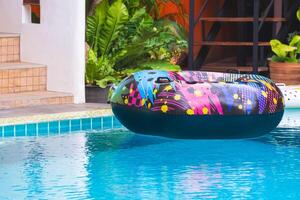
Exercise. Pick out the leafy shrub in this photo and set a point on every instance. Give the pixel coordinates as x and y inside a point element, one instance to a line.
<point>122,37</point>
<point>287,52</point>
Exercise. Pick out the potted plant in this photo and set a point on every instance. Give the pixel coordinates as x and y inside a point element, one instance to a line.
<point>99,76</point>
<point>285,64</point>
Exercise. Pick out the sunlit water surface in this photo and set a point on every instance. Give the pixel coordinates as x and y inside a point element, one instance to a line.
<point>122,165</point>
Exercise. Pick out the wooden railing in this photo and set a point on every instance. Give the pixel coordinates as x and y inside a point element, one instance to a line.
<point>208,39</point>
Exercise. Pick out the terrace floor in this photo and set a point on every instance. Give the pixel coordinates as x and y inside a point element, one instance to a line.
<point>52,112</point>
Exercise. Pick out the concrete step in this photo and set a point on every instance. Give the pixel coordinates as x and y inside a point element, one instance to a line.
<point>22,77</point>
<point>9,47</point>
<point>26,99</point>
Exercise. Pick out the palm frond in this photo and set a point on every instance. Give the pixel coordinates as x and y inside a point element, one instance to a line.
<point>94,24</point>
<point>117,16</point>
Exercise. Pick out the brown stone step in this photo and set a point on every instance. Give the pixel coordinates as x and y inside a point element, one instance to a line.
<point>26,99</point>
<point>9,48</point>
<point>22,77</point>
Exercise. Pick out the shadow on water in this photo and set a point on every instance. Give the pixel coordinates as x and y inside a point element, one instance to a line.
<point>119,140</point>
<point>286,134</point>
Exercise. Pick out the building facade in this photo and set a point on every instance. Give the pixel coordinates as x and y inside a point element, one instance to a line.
<point>51,33</point>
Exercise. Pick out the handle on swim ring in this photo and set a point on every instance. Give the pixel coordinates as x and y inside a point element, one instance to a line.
<point>163,80</point>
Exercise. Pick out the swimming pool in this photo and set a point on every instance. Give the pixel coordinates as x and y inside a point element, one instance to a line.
<point>122,165</point>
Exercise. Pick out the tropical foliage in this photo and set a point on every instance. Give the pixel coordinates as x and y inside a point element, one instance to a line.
<point>123,38</point>
<point>287,52</point>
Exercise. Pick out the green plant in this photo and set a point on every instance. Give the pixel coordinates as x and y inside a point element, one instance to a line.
<point>103,27</point>
<point>99,71</point>
<point>123,37</point>
<point>287,52</point>
<point>151,40</point>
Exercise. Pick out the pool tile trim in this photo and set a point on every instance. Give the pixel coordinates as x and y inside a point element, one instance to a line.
<point>101,123</point>
<point>58,123</point>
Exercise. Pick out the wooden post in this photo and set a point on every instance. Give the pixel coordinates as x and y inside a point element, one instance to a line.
<point>255,36</point>
<point>278,8</point>
<point>241,54</point>
<point>191,35</point>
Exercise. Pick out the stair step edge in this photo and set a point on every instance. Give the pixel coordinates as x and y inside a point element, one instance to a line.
<point>9,35</point>
<point>34,95</point>
<point>26,99</point>
<point>20,65</point>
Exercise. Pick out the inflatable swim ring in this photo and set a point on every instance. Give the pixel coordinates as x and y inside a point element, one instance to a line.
<point>198,105</point>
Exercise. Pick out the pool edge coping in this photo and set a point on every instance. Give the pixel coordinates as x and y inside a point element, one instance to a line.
<point>55,117</point>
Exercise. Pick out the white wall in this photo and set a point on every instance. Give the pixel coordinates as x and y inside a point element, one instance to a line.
<point>57,42</point>
<point>10,22</point>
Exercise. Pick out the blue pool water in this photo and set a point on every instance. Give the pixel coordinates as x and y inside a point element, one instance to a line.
<point>122,165</point>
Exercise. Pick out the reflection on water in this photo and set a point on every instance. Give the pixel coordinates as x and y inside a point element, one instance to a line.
<point>288,131</point>
<point>122,165</point>
<point>33,169</point>
<point>282,136</point>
